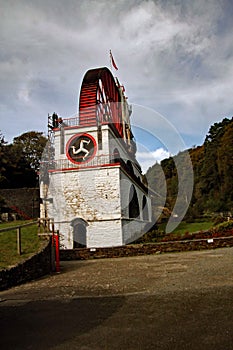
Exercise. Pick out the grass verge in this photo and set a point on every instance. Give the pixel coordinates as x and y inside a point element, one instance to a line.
<point>191,227</point>
<point>182,229</point>
<point>30,243</point>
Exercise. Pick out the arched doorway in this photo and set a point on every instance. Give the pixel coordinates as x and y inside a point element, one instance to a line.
<point>130,168</point>
<point>79,233</point>
<point>134,211</point>
<point>145,211</point>
<point>116,156</point>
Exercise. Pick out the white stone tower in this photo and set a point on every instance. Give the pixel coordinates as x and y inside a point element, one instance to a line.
<point>94,189</point>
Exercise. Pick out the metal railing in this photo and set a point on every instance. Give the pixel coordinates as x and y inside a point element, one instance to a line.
<point>94,162</point>
<point>68,122</point>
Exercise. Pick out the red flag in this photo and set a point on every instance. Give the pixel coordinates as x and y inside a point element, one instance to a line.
<point>112,61</point>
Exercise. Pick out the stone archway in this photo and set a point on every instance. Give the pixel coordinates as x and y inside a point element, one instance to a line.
<point>79,233</point>
<point>145,210</point>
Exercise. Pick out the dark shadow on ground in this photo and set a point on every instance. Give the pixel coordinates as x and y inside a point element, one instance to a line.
<point>44,324</point>
<point>184,320</point>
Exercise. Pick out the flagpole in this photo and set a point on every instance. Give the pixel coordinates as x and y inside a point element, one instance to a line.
<point>112,61</point>
<point>110,53</point>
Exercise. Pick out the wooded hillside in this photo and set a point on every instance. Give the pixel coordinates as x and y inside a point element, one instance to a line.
<point>213,167</point>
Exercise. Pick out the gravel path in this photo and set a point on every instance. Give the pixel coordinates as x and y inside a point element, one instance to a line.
<point>153,274</point>
<point>165,301</point>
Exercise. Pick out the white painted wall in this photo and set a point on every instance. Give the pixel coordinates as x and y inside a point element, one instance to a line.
<point>105,234</point>
<point>132,229</point>
<point>91,194</point>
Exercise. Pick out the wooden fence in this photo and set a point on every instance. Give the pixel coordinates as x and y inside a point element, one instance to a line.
<point>45,226</point>
<point>18,229</point>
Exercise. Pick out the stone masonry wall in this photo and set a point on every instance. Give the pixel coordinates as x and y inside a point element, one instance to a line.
<point>145,249</point>
<point>23,201</point>
<point>37,266</point>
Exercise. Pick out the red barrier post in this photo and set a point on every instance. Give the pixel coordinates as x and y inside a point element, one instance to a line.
<point>56,236</point>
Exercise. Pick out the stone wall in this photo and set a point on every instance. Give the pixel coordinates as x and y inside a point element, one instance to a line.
<point>37,266</point>
<point>145,249</point>
<point>25,202</point>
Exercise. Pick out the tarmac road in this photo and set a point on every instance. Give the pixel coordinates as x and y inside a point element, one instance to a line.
<point>167,301</point>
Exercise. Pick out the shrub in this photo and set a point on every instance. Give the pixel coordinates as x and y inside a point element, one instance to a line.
<point>219,219</point>
<point>224,226</point>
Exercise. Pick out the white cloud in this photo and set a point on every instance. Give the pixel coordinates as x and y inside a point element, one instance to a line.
<point>175,57</point>
<point>147,159</point>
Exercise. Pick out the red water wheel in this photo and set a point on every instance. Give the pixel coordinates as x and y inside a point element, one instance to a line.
<point>99,101</point>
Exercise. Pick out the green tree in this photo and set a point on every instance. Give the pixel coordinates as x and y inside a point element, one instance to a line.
<point>225,166</point>
<point>21,160</point>
<point>212,177</point>
<point>2,158</point>
<point>31,144</point>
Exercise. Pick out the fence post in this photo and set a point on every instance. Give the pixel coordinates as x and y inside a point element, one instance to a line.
<point>19,240</point>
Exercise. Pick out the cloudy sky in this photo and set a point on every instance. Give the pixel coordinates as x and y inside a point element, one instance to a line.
<point>175,58</point>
